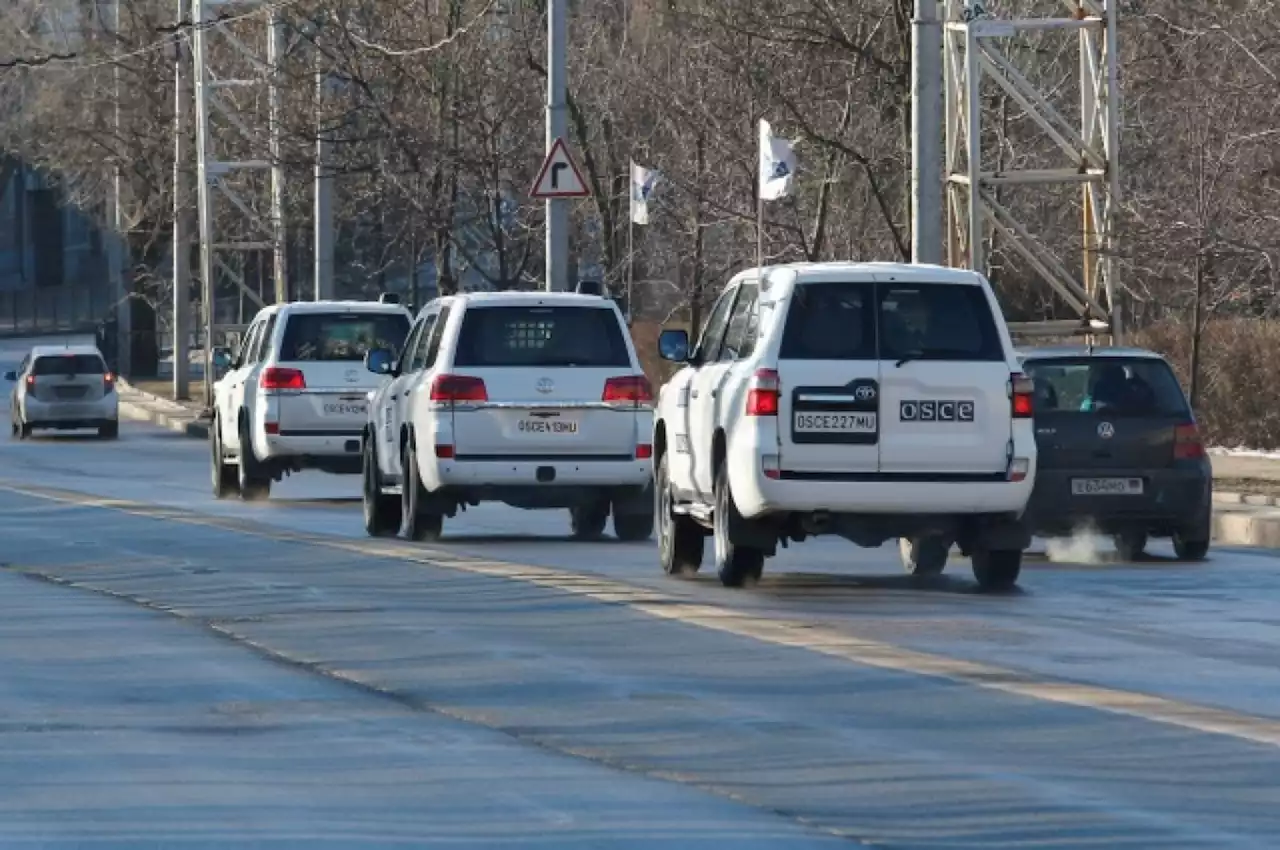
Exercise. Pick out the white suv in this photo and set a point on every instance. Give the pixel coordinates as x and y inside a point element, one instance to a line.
<point>869,400</point>
<point>529,398</point>
<point>296,395</point>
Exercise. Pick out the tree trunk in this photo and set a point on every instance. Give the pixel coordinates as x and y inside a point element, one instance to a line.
<point>1197,332</point>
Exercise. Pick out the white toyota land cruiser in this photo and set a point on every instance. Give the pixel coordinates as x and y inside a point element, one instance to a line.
<point>870,400</point>
<point>534,399</point>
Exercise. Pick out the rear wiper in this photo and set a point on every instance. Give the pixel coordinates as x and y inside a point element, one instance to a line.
<point>908,357</point>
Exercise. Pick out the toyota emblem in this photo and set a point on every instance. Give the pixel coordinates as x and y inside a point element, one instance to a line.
<point>545,385</point>
<point>1106,430</point>
<point>864,393</point>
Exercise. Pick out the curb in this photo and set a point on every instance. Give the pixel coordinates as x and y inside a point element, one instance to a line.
<point>1245,528</point>
<point>170,415</point>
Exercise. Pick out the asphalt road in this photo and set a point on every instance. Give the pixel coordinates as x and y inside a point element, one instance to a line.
<point>179,672</point>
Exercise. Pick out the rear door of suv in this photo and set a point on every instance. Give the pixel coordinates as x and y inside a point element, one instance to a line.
<point>944,381</point>
<point>319,374</point>
<point>544,380</point>
<point>71,380</point>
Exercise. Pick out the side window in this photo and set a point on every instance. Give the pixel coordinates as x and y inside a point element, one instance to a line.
<point>250,342</point>
<point>264,340</point>
<point>410,343</point>
<point>418,352</point>
<point>713,332</point>
<point>433,344</point>
<point>739,339</point>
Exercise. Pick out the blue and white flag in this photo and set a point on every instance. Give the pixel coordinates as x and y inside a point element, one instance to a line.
<point>643,182</point>
<point>777,164</point>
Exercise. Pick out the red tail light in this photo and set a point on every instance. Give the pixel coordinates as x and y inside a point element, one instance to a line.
<point>456,389</point>
<point>763,393</point>
<point>1186,442</point>
<point>444,450</point>
<point>644,451</point>
<point>1022,394</point>
<point>108,382</point>
<point>277,378</point>
<point>631,390</point>
<point>31,382</point>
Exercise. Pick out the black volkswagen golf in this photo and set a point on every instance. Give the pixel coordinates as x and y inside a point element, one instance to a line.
<point>1119,451</point>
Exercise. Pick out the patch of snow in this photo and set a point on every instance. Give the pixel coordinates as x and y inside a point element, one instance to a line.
<point>1243,452</point>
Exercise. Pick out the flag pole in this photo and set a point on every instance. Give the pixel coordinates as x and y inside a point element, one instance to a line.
<point>631,228</point>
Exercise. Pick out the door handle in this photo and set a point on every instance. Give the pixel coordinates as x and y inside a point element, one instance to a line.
<point>394,397</point>
<point>693,394</point>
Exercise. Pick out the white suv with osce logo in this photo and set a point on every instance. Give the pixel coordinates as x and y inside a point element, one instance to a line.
<point>869,400</point>
<point>296,394</point>
<point>533,399</point>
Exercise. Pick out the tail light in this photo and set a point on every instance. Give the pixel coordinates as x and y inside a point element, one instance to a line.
<point>1022,393</point>
<point>1186,442</point>
<point>444,450</point>
<point>31,382</point>
<point>628,390</point>
<point>763,393</point>
<point>108,382</point>
<point>644,451</point>
<point>277,378</point>
<point>455,389</point>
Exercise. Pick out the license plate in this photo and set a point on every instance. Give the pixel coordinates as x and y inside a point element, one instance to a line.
<point>834,423</point>
<point>1106,486</point>
<point>345,409</point>
<point>547,426</point>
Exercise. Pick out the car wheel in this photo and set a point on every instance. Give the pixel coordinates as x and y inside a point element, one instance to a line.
<point>1130,544</point>
<point>225,476</point>
<point>996,569</point>
<point>381,512</point>
<point>254,485</point>
<point>924,556</point>
<point>1189,550</point>
<point>736,564</point>
<point>110,431</point>
<point>633,527</point>
<point>417,524</point>
<point>681,541</point>
<point>587,522</point>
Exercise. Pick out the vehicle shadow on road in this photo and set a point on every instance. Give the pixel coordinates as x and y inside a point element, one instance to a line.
<point>795,584</point>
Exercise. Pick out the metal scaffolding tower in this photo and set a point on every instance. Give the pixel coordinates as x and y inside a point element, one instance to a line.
<point>1090,147</point>
<point>237,48</point>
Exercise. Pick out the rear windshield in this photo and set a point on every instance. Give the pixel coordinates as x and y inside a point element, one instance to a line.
<point>341,337</point>
<point>890,321</point>
<point>1110,386</point>
<point>69,364</point>
<point>541,336</point>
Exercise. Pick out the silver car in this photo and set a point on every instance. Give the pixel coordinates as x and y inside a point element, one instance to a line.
<point>63,388</point>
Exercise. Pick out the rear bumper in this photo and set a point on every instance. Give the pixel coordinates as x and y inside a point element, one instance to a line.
<point>336,450</point>
<point>1173,499</point>
<point>71,414</point>
<point>550,472</point>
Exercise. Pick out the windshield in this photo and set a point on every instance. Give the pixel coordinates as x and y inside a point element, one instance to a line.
<point>1107,385</point>
<point>69,364</point>
<point>918,321</point>
<point>541,336</point>
<point>341,337</point>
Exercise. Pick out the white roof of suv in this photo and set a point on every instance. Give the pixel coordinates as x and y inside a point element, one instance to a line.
<point>334,306</point>
<point>63,350</point>
<point>864,271</point>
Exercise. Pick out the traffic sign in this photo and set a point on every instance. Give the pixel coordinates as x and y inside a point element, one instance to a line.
<point>559,177</point>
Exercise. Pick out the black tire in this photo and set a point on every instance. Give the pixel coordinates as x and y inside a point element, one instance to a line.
<point>587,522</point>
<point>1130,545</point>
<point>24,430</point>
<point>681,541</point>
<point>253,483</point>
<point>381,512</point>
<point>110,431</point>
<point>924,556</point>
<point>996,569</point>
<point>1189,550</point>
<point>415,523</point>
<point>225,477</point>
<point>633,527</point>
<point>736,564</point>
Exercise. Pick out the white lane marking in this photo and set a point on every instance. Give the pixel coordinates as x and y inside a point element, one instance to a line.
<point>794,634</point>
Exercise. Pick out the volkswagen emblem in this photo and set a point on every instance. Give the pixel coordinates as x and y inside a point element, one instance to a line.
<point>353,375</point>
<point>1106,430</point>
<point>545,385</point>
<point>864,393</point>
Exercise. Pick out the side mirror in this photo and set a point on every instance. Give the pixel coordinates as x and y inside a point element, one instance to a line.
<point>379,361</point>
<point>674,346</point>
<point>221,358</point>
<point>11,376</point>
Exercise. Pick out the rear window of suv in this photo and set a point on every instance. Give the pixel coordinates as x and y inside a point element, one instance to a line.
<point>341,337</point>
<point>1110,386</point>
<point>889,321</point>
<point>69,364</point>
<point>540,336</point>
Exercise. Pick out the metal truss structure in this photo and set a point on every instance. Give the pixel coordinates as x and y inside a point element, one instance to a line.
<point>971,55</point>
<point>237,48</point>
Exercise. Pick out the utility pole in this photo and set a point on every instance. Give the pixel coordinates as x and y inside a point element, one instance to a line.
<point>926,134</point>
<point>279,235</point>
<point>324,192</point>
<point>182,103</point>
<point>557,248</point>
<point>118,247</point>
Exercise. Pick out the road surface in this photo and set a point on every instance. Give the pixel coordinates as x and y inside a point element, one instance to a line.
<point>182,672</point>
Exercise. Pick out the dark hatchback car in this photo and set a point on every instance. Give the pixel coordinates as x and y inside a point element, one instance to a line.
<point>1119,451</point>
